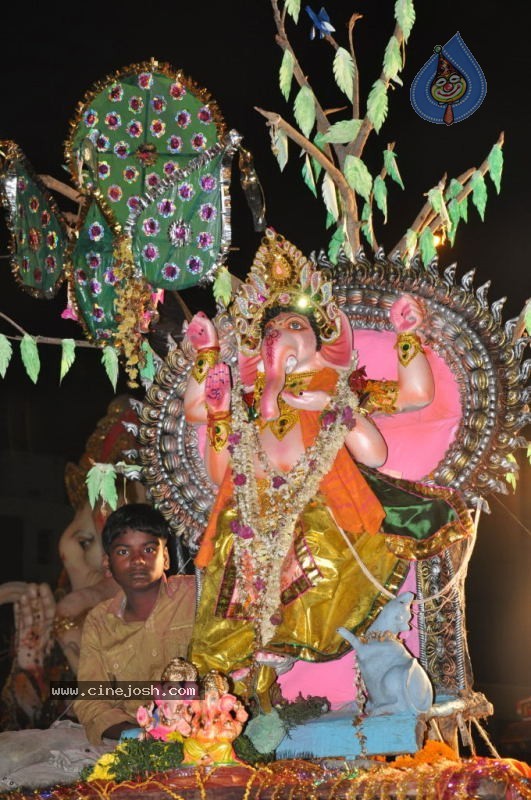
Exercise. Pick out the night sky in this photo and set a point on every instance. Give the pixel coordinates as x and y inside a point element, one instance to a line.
<point>49,58</point>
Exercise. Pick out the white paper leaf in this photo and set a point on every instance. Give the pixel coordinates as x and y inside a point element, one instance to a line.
<point>307,174</point>
<point>286,73</point>
<point>436,200</point>
<point>377,104</point>
<point>411,243</point>
<point>344,71</point>
<point>343,132</point>
<point>304,110</point>
<point>68,356</point>
<point>330,197</point>
<point>293,8</point>
<point>109,359</point>
<point>279,146</point>
<point>30,356</point>
<point>6,351</point>
<point>358,176</point>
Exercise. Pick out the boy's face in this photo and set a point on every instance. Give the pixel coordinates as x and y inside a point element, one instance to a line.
<point>137,560</point>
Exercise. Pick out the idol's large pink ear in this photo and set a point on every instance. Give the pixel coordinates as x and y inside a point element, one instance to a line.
<point>248,368</point>
<point>339,353</point>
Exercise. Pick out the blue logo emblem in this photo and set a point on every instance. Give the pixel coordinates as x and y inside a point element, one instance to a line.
<point>450,86</point>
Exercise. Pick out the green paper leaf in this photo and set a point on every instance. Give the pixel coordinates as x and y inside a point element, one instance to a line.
<point>101,483</point>
<point>405,16</point>
<point>304,110</point>
<point>279,146</point>
<point>428,251</point>
<point>329,221</point>
<point>453,189</point>
<point>479,192</point>
<point>392,59</point>
<point>455,215</point>
<point>109,359</point>
<point>343,132</point>
<point>380,195</point>
<point>330,196</point>
<point>307,174</point>
<point>317,167</point>
<point>147,372</point>
<point>377,104</point>
<point>6,351</point>
<point>286,73</point>
<point>436,200</point>
<point>463,208</point>
<point>411,242</point>
<point>336,242</point>
<point>391,167</point>
<point>366,225</point>
<point>68,356</point>
<point>222,288</point>
<point>30,356</point>
<point>358,176</point>
<point>293,8</point>
<point>344,71</point>
<point>495,162</point>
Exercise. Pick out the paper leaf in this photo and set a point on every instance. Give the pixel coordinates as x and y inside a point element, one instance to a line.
<point>377,104</point>
<point>336,242</point>
<point>411,242</point>
<point>436,200</point>
<point>366,225</point>
<point>391,167</point>
<point>68,356</point>
<point>6,351</point>
<point>479,193</point>
<point>101,483</point>
<point>405,16</point>
<point>455,215</point>
<point>286,73</point>
<point>222,288</point>
<point>279,146</point>
<point>147,371</point>
<point>304,110</point>
<point>109,359</point>
<point>495,162</point>
<point>453,189</point>
<point>293,8</point>
<point>358,176</point>
<point>307,174</point>
<point>463,208</point>
<point>392,59</point>
<point>330,196</point>
<point>343,132</point>
<point>428,251</point>
<point>344,71</point>
<point>330,220</point>
<point>380,195</point>
<point>30,356</point>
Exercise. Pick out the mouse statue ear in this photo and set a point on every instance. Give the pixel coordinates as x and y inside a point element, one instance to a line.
<point>339,352</point>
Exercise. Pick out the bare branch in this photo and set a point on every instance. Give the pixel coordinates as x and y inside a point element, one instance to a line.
<point>348,196</point>
<point>62,188</point>
<point>356,79</point>
<point>41,339</point>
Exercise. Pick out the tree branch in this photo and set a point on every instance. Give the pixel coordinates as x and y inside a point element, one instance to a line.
<point>356,79</point>
<point>62,188</point>
<point>41,339</point>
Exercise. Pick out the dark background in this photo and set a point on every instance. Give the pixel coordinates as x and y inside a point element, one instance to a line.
<point>50,55</point>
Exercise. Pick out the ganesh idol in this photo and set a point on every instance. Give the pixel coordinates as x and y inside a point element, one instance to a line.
<point>305,535</point>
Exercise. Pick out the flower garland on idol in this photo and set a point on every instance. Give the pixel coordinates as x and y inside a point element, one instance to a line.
<point>262,540</point>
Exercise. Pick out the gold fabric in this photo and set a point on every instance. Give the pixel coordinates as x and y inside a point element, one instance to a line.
<point>112,649</point>
<point>322,588</point>
<point>382,396</point>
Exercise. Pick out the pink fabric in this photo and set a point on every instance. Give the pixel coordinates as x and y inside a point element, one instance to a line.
<point>335,679</point>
